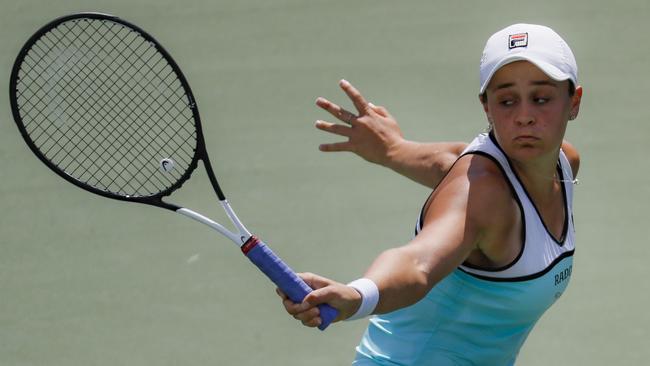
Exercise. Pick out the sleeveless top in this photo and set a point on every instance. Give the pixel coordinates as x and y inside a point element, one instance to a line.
<point>479,316</point>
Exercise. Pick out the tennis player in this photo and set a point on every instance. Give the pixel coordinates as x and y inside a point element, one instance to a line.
<point>494,242</point>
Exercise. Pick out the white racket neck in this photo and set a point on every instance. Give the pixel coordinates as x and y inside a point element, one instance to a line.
<point>235,220</point>
<point>238,238</point>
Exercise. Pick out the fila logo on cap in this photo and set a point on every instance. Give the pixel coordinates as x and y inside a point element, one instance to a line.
<point>518,40</point>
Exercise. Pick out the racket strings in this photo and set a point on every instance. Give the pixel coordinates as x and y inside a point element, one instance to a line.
<point>101,103</point>
<point>91,107</point>
<point>129,150</point>
<point>98,166</point>
<point>56,143</point>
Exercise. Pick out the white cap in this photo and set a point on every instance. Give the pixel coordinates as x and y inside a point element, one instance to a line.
<point>537,44</point>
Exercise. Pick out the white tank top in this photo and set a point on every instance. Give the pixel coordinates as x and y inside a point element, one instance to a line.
<point>533,260</point>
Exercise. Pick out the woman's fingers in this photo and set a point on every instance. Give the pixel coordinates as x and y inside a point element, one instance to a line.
<point>355,96</point>
<point>342,114</point>
<point>335,110</point>
<point>336,147</point>
<point>334,128</point>
<point>308,314</point>
<point>379,110</point>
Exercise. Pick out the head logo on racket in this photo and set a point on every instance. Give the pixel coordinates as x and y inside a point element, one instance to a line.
<point>166,165</point>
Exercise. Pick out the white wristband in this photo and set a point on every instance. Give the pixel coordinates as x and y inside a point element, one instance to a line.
<point>369,297</point>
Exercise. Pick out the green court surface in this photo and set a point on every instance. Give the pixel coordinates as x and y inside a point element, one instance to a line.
<point>90,281</point>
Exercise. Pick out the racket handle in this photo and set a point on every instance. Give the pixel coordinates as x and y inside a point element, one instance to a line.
<point>284,277</point>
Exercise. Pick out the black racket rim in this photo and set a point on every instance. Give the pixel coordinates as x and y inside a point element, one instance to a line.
<point>154,199</point>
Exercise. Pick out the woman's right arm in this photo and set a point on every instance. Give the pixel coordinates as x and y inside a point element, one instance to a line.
<point>461,215</point>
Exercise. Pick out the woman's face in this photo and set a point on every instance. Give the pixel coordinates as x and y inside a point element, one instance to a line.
<point>529,111</point>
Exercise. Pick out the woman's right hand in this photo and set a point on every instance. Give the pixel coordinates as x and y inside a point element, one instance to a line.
<point>339,296</point>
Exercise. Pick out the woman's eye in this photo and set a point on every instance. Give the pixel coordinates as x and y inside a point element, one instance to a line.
<point>507,102</point>
<point>541,100</point>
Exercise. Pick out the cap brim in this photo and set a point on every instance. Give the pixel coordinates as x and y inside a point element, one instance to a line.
<point>550,70</point>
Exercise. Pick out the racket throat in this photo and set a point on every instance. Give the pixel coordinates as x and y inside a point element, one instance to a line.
<point>244,234</point>
<point>240,237</point>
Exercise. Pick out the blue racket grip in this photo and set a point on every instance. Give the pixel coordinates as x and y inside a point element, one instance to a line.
<point>284,277</point>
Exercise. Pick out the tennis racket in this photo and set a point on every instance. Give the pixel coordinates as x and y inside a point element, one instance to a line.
<point>102,104</point>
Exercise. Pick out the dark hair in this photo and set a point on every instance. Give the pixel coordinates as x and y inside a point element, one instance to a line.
<point>572,91</point>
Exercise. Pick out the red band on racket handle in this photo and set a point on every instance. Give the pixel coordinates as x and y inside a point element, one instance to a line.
<point>284,277</point>
<point>249,245</point>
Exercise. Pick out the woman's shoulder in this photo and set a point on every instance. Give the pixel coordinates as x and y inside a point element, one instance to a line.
<point>480,171</point>
<point>488,194</point>
<point>572,156</point>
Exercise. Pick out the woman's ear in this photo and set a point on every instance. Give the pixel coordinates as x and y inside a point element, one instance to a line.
<point>483,99</point>
<point>575,103</point>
